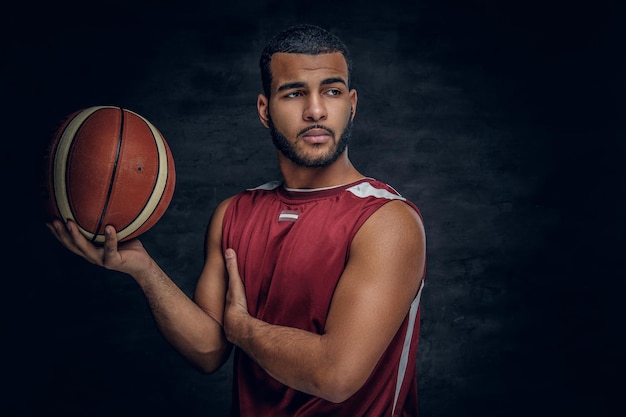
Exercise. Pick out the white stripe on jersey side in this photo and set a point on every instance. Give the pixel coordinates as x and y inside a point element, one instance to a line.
<point>365,189</point>
<point>404,357</point>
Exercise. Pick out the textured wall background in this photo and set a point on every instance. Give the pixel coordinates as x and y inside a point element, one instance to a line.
<point>499,119</point>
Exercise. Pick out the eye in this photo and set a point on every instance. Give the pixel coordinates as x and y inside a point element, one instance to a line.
<point>333,92</point>
<point>293,94</point>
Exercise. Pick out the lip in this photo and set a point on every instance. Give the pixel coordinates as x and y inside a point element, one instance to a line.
<point>316,136</point>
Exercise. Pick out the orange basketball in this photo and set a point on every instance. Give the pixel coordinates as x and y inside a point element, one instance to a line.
<point>108,165</point>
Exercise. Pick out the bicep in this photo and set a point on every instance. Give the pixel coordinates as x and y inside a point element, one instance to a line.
<point>211,288</point>
<point>374,294</point>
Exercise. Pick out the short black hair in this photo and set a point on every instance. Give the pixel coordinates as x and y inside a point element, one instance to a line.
<point>301,39</point>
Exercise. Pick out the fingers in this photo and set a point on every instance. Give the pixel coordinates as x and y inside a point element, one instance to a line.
<point>63,232</point>
<point>70,236</point>
<point>129,257</point>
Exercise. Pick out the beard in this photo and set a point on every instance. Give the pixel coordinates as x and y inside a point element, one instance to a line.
<point>291,152</point>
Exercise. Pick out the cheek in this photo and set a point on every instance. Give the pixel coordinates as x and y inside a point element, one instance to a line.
<point>283,119</point>
<point>340,108</point>
<point>346,113</point>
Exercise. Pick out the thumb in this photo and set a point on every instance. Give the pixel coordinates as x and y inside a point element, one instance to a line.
<point>236,290</point>
<point>231,263</point>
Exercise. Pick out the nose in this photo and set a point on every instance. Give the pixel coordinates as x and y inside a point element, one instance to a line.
<point>315,109</point>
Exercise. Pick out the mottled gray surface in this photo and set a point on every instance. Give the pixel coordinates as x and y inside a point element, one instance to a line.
<point>498,120</point>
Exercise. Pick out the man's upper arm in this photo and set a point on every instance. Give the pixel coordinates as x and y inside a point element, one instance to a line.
<point>211,288</point>
<point>374,294</point>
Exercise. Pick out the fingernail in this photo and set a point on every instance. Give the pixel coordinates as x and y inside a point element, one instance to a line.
<point>229,253</point>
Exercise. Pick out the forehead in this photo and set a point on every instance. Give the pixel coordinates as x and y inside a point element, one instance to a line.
<point>287,67</point>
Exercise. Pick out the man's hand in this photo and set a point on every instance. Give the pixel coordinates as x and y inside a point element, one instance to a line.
<point>130,257</point>
<point>236,308</point>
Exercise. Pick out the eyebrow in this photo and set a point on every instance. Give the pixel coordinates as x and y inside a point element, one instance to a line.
<point>334,80</point>
<point>299,84</point>
<point>289,86</point>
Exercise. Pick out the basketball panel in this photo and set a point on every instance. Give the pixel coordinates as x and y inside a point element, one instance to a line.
<point>59,162</point>
<point>136,174</point>
<point>49,200</point>
<point>91,166</point>
<point>163,186</point>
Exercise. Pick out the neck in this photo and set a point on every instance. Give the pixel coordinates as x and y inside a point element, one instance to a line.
<point>338,173</point>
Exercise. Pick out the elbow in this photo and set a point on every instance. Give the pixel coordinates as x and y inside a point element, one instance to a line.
<point>340,387</point>
<point>210,361</point>
<point>339,393</point>
<point>338,397</point>
<point>206,367</point>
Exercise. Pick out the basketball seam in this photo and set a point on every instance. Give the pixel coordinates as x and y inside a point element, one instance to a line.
<point>112,179</point>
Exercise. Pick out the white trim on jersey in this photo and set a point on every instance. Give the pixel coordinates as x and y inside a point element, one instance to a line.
<point>404,357</point>
<point>365,189</point>
<point>312,190</point>
<point>272,185</point>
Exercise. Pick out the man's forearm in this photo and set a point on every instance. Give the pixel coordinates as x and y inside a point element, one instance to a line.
<point>299,359</point>
<point>193,332</point>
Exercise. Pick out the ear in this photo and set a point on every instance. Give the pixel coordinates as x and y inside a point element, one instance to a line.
<point>353,100</point>
<point>262,105</point>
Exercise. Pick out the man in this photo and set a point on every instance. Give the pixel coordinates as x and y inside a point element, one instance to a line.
<point>315,279</point>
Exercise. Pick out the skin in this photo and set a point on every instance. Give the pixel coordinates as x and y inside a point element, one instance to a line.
<point>374,293</point>
<point>309,90</point>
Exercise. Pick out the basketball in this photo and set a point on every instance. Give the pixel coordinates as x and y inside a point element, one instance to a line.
<point>107,165</point>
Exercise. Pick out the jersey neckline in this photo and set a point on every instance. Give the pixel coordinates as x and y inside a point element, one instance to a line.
<point>316,193</point>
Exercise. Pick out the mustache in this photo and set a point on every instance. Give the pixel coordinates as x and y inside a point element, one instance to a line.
<point>318,126</point>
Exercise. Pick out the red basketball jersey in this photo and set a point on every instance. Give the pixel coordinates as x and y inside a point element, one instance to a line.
<point>292,247</point>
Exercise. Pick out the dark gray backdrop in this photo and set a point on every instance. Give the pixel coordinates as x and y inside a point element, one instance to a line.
<point>499,119</point>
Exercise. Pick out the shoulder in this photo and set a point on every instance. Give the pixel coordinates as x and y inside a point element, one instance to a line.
<point>396,218</point>
<point>214,229</point>
<point>221,208</point>
<point>374,190</point>
<point>395,225</point>
<point>393,207</point>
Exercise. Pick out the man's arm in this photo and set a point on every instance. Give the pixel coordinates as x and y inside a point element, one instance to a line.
<point>372,298</point>
<point>193,328</point>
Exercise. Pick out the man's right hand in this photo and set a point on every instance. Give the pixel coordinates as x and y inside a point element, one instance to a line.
<point>129,257</point>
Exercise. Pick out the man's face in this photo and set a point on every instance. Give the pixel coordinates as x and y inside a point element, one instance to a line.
<point>310,110</point>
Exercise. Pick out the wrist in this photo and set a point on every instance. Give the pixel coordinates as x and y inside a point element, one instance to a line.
<point>147,273</point>
<point>239,327</point>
